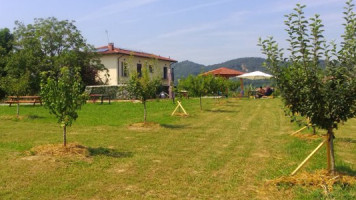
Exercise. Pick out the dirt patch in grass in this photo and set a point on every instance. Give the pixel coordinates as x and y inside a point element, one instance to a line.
<point>13,117</point>
<point>319,179</point>
<point>307,136</point>
<point>71,150</point>
<point>141,126</point>
<point>180,114</point>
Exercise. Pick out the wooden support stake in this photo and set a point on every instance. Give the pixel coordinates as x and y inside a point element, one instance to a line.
<point>182,108</point>
<point>306,159</point>
<point>175,109</point>
<point>179,106</point>
<point>300,129</point>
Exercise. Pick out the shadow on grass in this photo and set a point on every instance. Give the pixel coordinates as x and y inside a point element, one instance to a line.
<point>173,126</point>
<point>101,151</point>
<point>348,140</point>
<point>221,111</point>
<point>35,117</point>
<point>346,169</point>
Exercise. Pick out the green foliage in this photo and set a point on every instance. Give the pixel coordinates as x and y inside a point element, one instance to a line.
<point>6,41</point>
<point>199,86</point>
<point>142,86</point>
<point>325,96</point>
<point>15,86</point>
<point>194,85</point>
<point>233,85</point>
<point>6,45</point>
<point>48,45</point>
<point>63,95</point>
<point>249,64</point>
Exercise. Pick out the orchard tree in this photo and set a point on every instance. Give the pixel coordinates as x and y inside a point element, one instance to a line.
<point>63,95</point>
<point>324,95</point>
<point>143,87</point>
<point>15,86</point>
<point>48,45</point>
<point>196,86</point>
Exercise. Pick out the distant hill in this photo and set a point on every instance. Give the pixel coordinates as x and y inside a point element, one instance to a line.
<point>249,64</point>
<point>183,69</point>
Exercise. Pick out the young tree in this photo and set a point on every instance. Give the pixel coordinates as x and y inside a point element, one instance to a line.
<point>15,86</point>
<point>324,95</point>
<point>63,95</point>
<point>143,87</point>
<point>196,86</point>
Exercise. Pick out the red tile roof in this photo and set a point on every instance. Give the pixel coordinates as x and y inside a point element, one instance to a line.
<point>223,71</point>
<point>104,50</point>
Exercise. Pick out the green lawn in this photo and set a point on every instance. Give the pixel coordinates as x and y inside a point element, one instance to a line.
<point>226,151</point>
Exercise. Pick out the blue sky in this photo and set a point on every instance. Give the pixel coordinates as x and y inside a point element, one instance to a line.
<point>203,31</point>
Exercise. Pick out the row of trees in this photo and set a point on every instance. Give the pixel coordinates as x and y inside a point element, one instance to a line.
<point>200,86</point>
<point>326,96</point>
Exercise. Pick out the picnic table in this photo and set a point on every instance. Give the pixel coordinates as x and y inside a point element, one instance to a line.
<point>95,97</point>
<point>24,99</point>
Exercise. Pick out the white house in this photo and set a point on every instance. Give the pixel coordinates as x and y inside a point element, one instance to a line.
<point>121,62</point>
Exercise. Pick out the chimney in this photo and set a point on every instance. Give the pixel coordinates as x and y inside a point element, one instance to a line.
<point>111,46</point>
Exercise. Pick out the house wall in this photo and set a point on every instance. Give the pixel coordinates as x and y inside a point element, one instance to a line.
<point>114,64</point>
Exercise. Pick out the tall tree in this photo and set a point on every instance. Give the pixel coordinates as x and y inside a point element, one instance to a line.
<point>48,45</point>
<point>325,96</point>
<point>6,44</point>
<point>63,95</point>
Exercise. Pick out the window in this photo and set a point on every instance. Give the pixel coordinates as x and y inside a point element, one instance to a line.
<point>150,68</point>
<point>139,70</point>
<point>165,70</point>
<point>124,70</point>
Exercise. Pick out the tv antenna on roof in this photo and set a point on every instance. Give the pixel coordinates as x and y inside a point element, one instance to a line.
<point>107,35</point>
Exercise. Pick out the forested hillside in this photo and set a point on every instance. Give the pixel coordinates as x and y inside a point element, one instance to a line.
<point>249,64</point>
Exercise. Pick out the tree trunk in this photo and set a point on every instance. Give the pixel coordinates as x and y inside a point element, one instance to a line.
<point>201,107</point>
<point>144,112</point>
<point>18,110</point>
<point>330,151</point>
<point>64,135</point>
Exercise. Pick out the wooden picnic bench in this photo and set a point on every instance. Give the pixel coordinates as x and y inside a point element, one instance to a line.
<point>24,99</point>
<point>95,97</point>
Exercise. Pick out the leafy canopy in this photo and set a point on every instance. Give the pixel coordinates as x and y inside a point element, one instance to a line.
<point>48,45</point>
<point>62,94</point>
<point>324,95</point>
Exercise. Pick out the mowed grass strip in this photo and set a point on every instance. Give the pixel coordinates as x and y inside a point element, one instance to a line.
<point>226,151</point>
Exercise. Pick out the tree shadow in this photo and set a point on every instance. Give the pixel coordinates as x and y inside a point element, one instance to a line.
<point>101,151</point>
<point>221,111</point>
<point>348,140</point>
<point>35,117</point>
<point>173,126</point>
<point>346,170</point>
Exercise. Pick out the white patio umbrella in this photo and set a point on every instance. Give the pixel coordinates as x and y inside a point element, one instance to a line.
<point>255,75</point>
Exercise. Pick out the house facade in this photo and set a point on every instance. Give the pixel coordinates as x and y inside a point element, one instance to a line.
<point>122,62</point>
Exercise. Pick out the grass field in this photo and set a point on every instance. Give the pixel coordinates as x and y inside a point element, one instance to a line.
<point>226,151</point>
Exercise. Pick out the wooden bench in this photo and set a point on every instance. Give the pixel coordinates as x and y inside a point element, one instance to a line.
<point>95,97</point>
<point>24,99</point>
